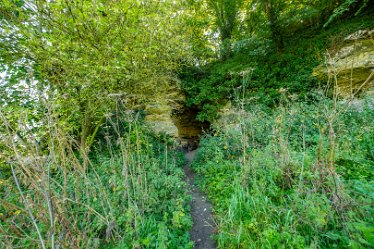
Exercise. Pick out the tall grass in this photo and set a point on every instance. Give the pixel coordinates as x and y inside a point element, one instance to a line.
<point>310,181</point>
<point>126,191</point>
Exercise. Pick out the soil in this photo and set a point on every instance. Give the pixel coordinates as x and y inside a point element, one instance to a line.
<point>201,212</point>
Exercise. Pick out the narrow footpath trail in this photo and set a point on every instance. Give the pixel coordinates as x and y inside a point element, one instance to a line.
<point>203,225</point>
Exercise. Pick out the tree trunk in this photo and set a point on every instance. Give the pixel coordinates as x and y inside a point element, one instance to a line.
<point>275,29</point>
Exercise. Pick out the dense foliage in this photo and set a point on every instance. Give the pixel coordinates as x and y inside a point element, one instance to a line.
<point>128,193</point>
<point>89,50</point>
<point>79,167</point>
<point>209,87</point>
<point>299,176</point>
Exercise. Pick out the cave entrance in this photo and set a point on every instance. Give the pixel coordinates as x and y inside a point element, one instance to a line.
<point>189,129</point>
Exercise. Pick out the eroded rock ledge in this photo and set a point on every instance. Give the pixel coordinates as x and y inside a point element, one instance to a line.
<point>352,65</point>
<point>171,117</point>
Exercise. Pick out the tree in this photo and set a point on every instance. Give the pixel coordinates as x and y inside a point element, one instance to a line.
<point>272,10</point>
<point>226,14</point>
<point>86,51</point>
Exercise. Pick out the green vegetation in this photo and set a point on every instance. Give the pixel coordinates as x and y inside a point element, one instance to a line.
<point>210,87</point>
<point>288,162</point>
<point>128,193</point>
<point>298,176</point>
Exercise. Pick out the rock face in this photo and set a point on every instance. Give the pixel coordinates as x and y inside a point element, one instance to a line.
<point>158,118</point>
<point>353,65</point>
<point>169,116</point>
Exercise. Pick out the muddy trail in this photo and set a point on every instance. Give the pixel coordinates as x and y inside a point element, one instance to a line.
<point>203,224</point>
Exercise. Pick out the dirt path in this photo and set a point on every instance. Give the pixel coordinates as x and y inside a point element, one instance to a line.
<point>203,225</point>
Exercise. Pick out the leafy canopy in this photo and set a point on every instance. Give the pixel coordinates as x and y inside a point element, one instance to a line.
<point>86,51</point>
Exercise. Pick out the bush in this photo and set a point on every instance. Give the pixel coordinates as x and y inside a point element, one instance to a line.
<point>275,186</point>
<point>127,192</point>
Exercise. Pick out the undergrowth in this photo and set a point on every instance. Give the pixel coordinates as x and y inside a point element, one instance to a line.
<point>298,176</point>
<point>209,87</point>
<point>126,192</point>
